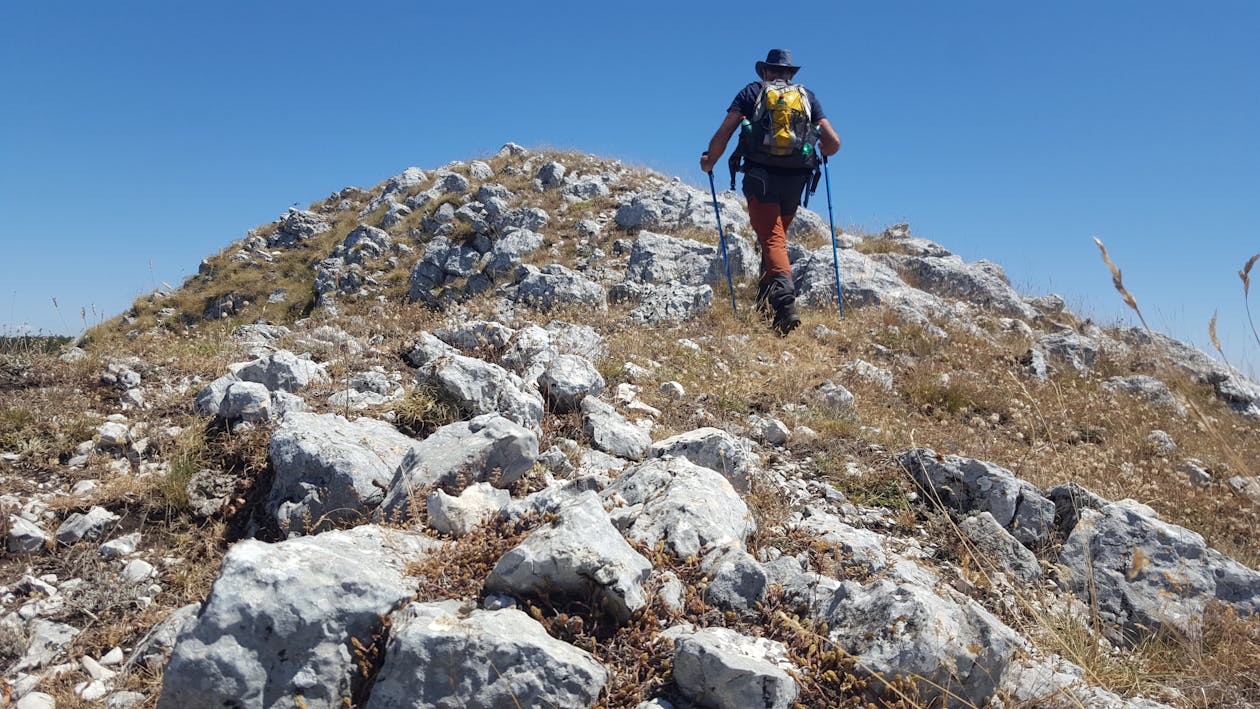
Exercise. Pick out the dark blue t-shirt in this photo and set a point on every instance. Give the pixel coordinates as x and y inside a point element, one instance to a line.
<point>745,102</point>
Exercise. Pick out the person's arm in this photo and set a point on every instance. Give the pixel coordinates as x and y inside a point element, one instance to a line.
<point>717,145</point>
<point>828,138</point>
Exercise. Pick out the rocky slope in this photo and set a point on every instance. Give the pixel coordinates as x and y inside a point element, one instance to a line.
<point>486,436</point>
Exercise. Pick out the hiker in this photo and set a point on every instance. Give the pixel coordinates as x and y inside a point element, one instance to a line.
<point>780,122</point>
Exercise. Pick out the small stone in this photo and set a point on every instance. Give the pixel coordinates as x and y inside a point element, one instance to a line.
<point>1195,473</point>
<point>1161,442</point>
<point>25,537</point>
<point>111,658</point>
<point>91,691</point>
<point>79,526</point>
<point>673,390</point>
<point>120,547</point>
<point>635,373</point>
<point>137,571</point>
<point>36,700</point>
<point>112,435</point>
<point>94,669</point>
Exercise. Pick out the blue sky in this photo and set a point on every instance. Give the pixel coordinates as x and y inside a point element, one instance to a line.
<point>138,137</point>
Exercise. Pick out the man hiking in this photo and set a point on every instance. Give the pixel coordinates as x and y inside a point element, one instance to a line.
<point>780,123</point>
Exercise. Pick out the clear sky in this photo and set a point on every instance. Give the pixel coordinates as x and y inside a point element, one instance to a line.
<point>138,137</point>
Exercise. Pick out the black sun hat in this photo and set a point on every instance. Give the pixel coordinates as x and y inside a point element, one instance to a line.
<point>779,59</point>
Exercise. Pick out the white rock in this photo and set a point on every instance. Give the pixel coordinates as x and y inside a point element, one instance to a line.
<point>36,700</point>
<point>460,515</point>
<point>137,571</point>
<point>121,546</point>
<point>94,669</point>
<point>112,435</point>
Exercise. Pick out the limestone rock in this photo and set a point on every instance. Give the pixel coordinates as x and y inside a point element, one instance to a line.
<point>280,619</point>
<point>1144,574</point>
<point>968,485</point>
<point>460,515</point>
<point>577,555</point>
<point>499,658</point>
<point>716,449</point>
<point>691,508</point>
<point>567,379</point>
<point>489,448</point>
<point>720,668</point>
<point>608,431</point>
<point>330,470</point>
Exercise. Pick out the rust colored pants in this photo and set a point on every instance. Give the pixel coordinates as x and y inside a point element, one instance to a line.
<point>772,202</point>
<point>771,223</point>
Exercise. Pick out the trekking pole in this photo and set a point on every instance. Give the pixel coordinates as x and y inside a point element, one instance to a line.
<point>835,248</point>
<point>722,241</point>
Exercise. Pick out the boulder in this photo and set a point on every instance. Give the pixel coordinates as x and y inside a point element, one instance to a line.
<point>966,485</point>
<point>736,580</point>
<point>677,206</point>
<point>997,550</point>
<point>715,449</point>
<point>25,537</point>
<point>283,371</point>
<point>282,620</point>
<point>556,286</point>
<point>808,223</point>
<point>834,396</point>
<point>365,243</point>
<point>585,187</point>
<point>864,282</point>
<point>692,509</point>
<point>1071,348</point>
<point>510,248</point>
<point>578,555</point>
<point>610,432</point>
<point>246,401</point>
<point>477,336</point>
<point>296,226</point>
<point>530,218</point>
<point>567,379</point>
<point>479,387</point>
<point>1144,575</point>
<point>957,650</point>
<point>441,655</point>
<point>981,283</point>
<point>1146,388</point>
<point>551,174</point>
<point>489,448</point>
<point>90,525</point>
<point>720,668</point>
<point>660,259</point>
<point>665,302</point>
<point>329,470</point>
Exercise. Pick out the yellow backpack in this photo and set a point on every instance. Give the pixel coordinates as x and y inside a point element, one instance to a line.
<point>781,130</point>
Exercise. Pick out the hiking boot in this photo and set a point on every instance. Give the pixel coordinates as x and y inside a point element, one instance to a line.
<point>785,325</point>
<point>781,298</point>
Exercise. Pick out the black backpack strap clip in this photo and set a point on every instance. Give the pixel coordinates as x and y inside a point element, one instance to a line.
<point>734,163</point>
<point>811,185</point>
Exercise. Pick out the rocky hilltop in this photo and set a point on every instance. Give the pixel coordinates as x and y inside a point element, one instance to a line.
<point>486,436</point>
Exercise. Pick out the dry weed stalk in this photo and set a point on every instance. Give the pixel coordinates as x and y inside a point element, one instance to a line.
<point>1245,275</point>
<point>1119,283</point>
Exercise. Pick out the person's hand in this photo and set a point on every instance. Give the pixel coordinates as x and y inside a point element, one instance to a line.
<point>706,163</point>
